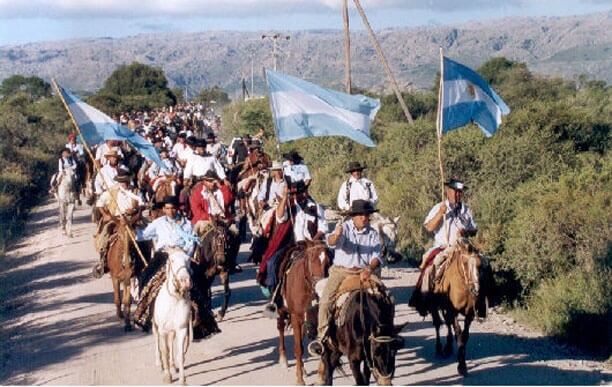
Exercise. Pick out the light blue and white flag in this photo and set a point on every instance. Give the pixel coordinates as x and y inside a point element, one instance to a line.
<point>97,127</point>
<point>302,109</point>
<point>469,98</point>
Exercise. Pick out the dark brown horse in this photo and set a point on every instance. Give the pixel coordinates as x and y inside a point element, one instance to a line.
<point>302,267</point>
<point>123,264</point>
<point>461,290</point>
<point>366,336</point>
<point>216,255</point>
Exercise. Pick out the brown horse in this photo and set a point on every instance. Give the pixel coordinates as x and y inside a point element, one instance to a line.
<point>302,267</point>
<point>123,264</point>
<point>461,290</point>
<point>216,255</point>
<point>163,189</point>
<point>366,335</point>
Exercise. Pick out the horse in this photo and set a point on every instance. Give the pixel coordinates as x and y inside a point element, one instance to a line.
<point>462,289</point>
<point>301,269</point>
<point>66,196</point>
<point>215,256</point>
<point>366,335</point>
<point>172,316</point>
<point>386,227</point>
<point>162,188</point>
<point>123,265</point>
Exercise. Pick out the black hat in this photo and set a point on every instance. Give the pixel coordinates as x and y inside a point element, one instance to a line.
<point>191,140</point>
<point>65,150</point>
<point>210,136</point>
<point>361,207</point>
<point>211,175</point>
<point>123,177</point>
<point>293,156</point>
<point>455,184</point>
<point>171,200</point>
<point>199,143</point>
<point>182,135</point>
<point>298,187</point>
<point>354,166</point>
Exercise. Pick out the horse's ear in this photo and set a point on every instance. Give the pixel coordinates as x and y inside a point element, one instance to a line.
<point>396,219</point>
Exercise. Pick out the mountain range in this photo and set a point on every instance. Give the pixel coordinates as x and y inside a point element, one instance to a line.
<point>551,46</point>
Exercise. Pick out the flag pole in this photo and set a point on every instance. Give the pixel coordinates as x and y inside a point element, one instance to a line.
<point>93,159</point>
<point>440,118</point>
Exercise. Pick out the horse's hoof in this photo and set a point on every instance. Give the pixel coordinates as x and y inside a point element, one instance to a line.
<point>462,369</point>
<point>183,381</point>
<point>167,379</point>
<point>283,362</point>
<point>219,316</point>
<point>127,327</point>
<point>300,383</point>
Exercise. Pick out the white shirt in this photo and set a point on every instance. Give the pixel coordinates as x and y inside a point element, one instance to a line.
<point>297,172</point>
<point>106,178</point>
<point>216,206</point>
<point>76,148</point>
<point>448,230</point>
<point>167,232</point>
<point>356,248</point>
<point>359,189</point>
<point>276,191</point>
<point>301,220</point>
<point>213,149</point>
<point>123,197</point>
<point>198,166</point>
<point>101,151</point>
<point>63,163</point>
<point>181,151</point>
<point>155,171</point>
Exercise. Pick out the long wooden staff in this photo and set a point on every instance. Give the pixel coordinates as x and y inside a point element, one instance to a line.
<point>440,117</point>
<point>127,225</point>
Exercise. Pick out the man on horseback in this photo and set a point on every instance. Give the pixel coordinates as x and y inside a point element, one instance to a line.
<point>114,204</point>
<point>357,252</point>
<point>295,168</point>
<point>105,178</point>
<point>448,220</point>
<point>356,187</point>
<point>66,160</point>
<point>199,163</point>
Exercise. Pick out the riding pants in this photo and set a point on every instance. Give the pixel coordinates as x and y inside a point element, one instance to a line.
<point>337,274</point>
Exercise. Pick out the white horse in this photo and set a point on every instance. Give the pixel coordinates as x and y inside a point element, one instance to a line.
<point>386,227</point>
<point>66,196</point>
<point>172,316</point>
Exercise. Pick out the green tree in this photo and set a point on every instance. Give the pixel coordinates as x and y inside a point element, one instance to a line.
<point>33,87</point>
<point>214,95</point>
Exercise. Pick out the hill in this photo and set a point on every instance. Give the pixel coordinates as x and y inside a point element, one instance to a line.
<point>554,46</point>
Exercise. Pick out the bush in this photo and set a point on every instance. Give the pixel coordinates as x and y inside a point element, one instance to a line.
<point>576,307</point>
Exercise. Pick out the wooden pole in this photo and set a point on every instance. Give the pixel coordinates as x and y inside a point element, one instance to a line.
<point>347,47</point>
<point>93,159</point>
<point>383,60</point>
<point>440,118</point>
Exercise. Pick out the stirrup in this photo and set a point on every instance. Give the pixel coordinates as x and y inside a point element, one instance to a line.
<point>315,348</point>
<point>97,271</point>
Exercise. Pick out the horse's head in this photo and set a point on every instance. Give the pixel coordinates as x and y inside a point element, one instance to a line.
<point>213,242</point>
<point>384,340</point>
<point>471,265</point>
<point>179,272</point>
<point>387,229</point>
<point>318,260</point>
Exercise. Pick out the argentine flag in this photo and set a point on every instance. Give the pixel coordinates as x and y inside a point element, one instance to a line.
<point>466,97</point>
<point>97,127</point>
<point>302,109</point>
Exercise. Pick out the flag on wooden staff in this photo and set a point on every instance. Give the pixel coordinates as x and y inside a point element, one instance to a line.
<point>467,97</point>
<point>96,127</point>
<point>302,109</point>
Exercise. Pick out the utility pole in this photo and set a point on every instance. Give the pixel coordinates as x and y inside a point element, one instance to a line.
<point>379,50</point>
<point>252,75</point>
<point>347,47</point>
<point>275,39</point>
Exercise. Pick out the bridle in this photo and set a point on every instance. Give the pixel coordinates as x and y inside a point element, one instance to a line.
<point>469,282</point>
<point>172,276</point>
<point>383,243</point>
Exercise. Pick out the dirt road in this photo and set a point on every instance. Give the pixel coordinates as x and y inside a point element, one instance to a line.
<point>58,326</point>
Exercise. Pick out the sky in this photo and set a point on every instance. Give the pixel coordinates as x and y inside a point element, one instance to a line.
<point>25,21</point>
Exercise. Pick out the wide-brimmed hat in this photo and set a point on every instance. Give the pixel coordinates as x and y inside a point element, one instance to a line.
<point>354,166</point>
<point>112,152</point>
<point>171,200</point>
<point>191,140</point>
<point>210,175</point>
<point>455,184</point>
<point>123,177</point>
<point>276,166</point>
<point>210,136</point>
<point>361,207</point>
<point>293,156</point>
<point>298,187</point>
<point>199,143</point>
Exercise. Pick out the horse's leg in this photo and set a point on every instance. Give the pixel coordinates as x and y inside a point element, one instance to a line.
<point>435,316</point>
<point>171,358</point>
<point>282,356</point>
<point>297,324</point>
<point>158,354</point>
<point>357,375</point>
<point>367,372</point>
<point>69,216</point>
<point>181,337</point>
<point>227,292</point>
<point>331,362</point>
<point>116,289</point>
<point>62,215</point>
<point>165,357</point>
<point>127,303</point>
<point>449,317</point>
<point>462,339</point>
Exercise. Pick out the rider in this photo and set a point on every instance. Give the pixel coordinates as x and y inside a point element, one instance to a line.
<point>113,204</point>
<point>199,163</point>
<point>105,178</point>
<point>272,190</point>
<point>357,252</point>
<point>295,167</point>
<point>65,161</point>
<point>213,147</point>
<point>76,149</point>
<point>448,221</point>
<point>356,187</point>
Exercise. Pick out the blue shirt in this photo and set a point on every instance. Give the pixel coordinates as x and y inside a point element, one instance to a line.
<point>356,249</point>
<point>167,232</point>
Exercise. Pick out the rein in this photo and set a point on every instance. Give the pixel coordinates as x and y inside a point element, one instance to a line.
<point>174,279</point>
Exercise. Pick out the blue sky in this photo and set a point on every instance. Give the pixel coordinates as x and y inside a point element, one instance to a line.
<point>23,21</point>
